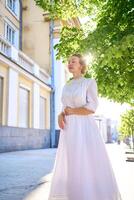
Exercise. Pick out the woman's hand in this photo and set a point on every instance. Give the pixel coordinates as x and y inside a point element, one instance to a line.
<point>61,120</point>
<point>69,111</point>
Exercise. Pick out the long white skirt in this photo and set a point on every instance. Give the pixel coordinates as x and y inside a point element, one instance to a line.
<point>82,170</point>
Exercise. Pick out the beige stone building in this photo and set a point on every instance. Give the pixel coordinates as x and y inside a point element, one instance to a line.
<point>27,68</point>
<point>24,77</point>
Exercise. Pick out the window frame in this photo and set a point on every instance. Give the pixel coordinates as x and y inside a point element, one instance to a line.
<point>45,106</point>
<point>16,11</point>
<point>21,86</point>
<point>14,29</point>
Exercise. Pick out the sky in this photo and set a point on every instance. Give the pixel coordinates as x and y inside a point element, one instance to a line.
<point>110,109</point>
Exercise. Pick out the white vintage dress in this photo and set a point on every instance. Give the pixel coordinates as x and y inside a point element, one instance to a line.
<point>82,170</point>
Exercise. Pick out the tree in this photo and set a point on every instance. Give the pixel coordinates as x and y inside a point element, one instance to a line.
<point>67,9</point>
<point>127,125</point>
<point>111,42</point>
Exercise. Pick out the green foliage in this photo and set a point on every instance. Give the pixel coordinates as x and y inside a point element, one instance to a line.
<point>65,9</point>
<point>127,124</point>
<point>111,42</point>
<point>69,42</point>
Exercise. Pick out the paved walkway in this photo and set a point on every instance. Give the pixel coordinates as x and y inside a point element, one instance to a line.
<point>26,175</point>
<point>42,191</point>
<point>124,172</point>
<point>23,171</point>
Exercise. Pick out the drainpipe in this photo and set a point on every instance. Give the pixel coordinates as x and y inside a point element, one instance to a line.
<point>20,32</point>
<point>52,95</point>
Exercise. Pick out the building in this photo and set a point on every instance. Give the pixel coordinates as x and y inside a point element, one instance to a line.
<point>24,82</point>
<point>102,125</point>
<point>31,79</point>
<point>107,128</point>
<point>46,32</point>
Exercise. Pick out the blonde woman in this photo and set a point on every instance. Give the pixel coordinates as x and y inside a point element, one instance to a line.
<point>82,169</point>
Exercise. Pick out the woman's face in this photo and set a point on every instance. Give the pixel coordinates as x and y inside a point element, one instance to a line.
<point>74,65</point>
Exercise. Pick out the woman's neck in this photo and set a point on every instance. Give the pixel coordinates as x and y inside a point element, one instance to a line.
<point>77,76</point>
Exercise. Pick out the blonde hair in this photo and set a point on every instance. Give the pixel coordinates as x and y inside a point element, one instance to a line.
<point>81,61</point>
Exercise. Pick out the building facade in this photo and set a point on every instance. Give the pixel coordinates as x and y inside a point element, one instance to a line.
<point>31,79</point>
<point>24,80</point>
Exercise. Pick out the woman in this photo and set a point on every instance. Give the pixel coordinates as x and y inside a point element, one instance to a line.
<point>82,170</point>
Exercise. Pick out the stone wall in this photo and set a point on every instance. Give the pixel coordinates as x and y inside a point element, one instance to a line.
<point>14,139</point>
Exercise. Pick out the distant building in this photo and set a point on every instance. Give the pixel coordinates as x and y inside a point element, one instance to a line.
<point>102,125</point>
<point>107,128</point>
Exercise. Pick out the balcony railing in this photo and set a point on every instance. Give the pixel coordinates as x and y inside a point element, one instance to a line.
<point>23,60</point>
<point>5,47</point>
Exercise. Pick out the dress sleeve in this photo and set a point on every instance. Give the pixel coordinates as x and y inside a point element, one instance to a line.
<point>92,96</point>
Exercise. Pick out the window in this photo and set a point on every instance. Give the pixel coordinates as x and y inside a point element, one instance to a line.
<point>12,34</point>
<point>1,98</point>
<point>13,6</point>
<point>42,112</point>
<point>23,107</point>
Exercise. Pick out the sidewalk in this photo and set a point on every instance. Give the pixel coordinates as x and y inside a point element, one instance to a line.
<point>21,173</point>
<point>123,170</point>
<point>42,190</point>
<point>26,175</point>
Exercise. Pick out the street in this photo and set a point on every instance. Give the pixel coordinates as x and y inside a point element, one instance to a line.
<point>26,175</point>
